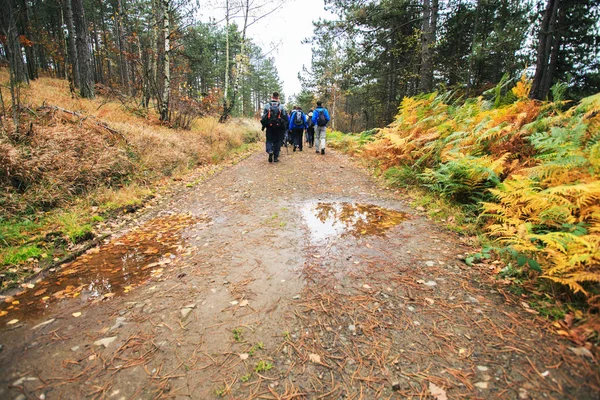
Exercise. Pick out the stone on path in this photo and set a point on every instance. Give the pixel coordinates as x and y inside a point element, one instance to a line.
<point>105,342</point>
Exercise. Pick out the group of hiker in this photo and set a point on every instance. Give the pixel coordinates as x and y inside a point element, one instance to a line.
<point>279,124</point>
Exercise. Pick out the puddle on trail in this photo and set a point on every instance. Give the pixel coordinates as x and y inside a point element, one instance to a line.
<point>105,271</point>
<point>327,220</point>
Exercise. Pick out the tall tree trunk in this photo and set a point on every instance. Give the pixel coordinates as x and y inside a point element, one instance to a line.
<point>123,67</point>
<point>226,86</point>
<point>108,78</point>
<point>547,37</point>
<point>555,52</point>
<point>164,106</point>
<point>472,54</point>
<point>26,18</point>
<point>16,67</point>
<point>96,55</point>
<point>240,63</point>
<point>84,57</point>
<point>427,37</point>
<point>153,79</point>
<point>71,48</point>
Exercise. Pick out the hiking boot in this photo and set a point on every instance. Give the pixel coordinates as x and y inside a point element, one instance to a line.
<point>322,151</point>
<point>276,159</point>
<point>270,157</point>
<point>317,151</point>
<point>300,148</point>
<point>294,148</point>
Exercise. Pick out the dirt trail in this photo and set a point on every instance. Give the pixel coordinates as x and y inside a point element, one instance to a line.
<point>301,279</point>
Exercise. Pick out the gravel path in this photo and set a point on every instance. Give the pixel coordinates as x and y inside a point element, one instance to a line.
<point>300,279</point>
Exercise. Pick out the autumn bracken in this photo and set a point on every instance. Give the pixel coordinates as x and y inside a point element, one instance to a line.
<point>527,170</point>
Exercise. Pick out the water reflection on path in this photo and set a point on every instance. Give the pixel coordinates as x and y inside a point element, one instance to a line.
<point>114,268</point>
<point>326,220</point>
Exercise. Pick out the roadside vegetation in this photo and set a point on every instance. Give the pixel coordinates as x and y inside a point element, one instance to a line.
<point>523,174</point>
<point>77,162</point>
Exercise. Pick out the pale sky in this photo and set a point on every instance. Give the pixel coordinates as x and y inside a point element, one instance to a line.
<point>289,25</point>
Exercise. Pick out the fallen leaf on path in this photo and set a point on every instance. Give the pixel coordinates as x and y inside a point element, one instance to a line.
<point>316,256</point>
<point>581,351</point>
<point>430,301</point>
<point>12,322</point>
<point>437,392</point>
<point>315,358</point>
<point>77,314</point>
<point>3,313</point>
<point>244,356</point>
<point>243,303</point>
<point>234,303</point>
<point>40,292</point>
<point>366,286</point>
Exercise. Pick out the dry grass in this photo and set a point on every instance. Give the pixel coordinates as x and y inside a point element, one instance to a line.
<point>65,156</point>
<point>108,155</point>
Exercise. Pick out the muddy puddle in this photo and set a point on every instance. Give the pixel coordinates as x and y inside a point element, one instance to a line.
<point>327,220</point>
<point>111,269</point>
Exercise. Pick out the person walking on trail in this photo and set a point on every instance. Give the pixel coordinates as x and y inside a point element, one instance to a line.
<point>310,130</point>
<point>297,126</point>
<point>275,121</point>
<point>288,139</point>
<point>320,119</point>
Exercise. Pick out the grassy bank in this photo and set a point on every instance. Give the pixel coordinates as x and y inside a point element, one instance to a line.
<point>77,162</point>
<point>525,174</point>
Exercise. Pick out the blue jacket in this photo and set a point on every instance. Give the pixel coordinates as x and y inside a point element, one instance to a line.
<point>293,121</point>
<point>318,111</point>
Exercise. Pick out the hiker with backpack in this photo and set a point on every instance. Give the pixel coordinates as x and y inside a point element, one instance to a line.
<point>320,118</point>
<point>310,130</point>
<point>288,139</point>
<point>297,126</point>
<point>275,121</point>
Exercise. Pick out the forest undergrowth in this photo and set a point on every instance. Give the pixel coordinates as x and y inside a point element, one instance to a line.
<point>524,175</point>
<point>77,162</point>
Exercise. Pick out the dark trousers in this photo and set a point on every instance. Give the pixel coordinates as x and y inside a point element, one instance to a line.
<point>273,142</point>
<point>297,135</point>
<point>310,136</point>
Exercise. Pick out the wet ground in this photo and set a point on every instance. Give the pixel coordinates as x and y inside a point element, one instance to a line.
<point>301,279</point>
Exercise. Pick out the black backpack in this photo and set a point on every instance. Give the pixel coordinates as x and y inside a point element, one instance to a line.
<point>310,122</point>
<point>274,119</point>
<point>321,119</point>
<point>298,120</point>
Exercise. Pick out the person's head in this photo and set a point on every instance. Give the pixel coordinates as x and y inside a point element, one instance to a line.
<point>275,95</point>
<point>319,104</point>
<point>298,108</point>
